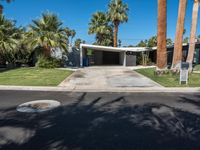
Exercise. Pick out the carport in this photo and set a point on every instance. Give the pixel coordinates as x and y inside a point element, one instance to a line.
<point>104,55</point>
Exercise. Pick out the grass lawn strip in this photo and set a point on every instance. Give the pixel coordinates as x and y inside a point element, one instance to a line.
<point>170,80</point>
<point>33,77</point>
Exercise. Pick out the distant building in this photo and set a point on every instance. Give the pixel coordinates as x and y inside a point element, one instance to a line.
<point>196,60</point>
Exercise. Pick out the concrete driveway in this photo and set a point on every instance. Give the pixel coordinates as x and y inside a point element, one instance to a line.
<point>107,78</point>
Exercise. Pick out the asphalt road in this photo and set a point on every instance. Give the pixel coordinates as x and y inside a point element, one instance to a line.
<point>102,121</point>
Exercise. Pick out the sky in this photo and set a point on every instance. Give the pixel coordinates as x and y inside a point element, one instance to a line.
<point>76,14</point>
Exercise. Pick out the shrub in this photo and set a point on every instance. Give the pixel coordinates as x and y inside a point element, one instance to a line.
<point>143,59</point>
<point>44,62</point>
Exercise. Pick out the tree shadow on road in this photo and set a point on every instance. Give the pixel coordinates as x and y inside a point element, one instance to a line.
<point>111,125</point>
<point>194,101</point>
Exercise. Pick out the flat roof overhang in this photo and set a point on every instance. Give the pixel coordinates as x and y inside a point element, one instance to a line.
<point>112,49</point>
<point>116,49</point>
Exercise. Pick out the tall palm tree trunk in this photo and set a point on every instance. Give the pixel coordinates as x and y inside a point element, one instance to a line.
<point>47,51</point>
<point>100,40</point>
<point>190,56</point>
<point>161,35</point>
<point>116,29</point>
<point>177,56</point>
<point>71,41</point>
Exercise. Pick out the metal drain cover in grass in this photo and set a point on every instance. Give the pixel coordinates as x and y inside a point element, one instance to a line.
<point>38,106</point>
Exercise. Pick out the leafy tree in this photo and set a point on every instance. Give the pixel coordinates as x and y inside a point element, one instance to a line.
<point>186,40</point>
<point>99,25</point>
<point>142,43</point>
<point>143,57</point>
<point>152,42</point>
<point>119,43</point>
<point>169,42</point>
<point>118,13</point>
<point>47,32</point>
<point>129,46</point>
<point>184,31</point>
<point>198,38</point>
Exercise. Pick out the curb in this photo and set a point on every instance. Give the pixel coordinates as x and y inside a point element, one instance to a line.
<point>67,79</point>
<point>110,90</point>
<point>159,85</point>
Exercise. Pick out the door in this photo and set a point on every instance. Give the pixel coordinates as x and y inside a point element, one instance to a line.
<point>110,58</point>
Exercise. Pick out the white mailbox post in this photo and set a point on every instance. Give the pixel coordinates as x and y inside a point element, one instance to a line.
<point>184,72</point>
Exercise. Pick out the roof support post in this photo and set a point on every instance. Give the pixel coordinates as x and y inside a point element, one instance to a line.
<point>124,63</point>
<point>81,56</point>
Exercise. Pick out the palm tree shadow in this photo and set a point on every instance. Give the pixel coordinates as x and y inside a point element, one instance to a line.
<point>81,126</point>
<point>195,102</point>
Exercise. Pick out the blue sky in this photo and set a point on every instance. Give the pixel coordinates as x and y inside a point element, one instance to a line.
<point>77,13</point>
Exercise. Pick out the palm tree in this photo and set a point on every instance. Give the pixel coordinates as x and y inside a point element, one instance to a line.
<point>78,42</point>
<point>161,35</point>
<point>73,34</point>
<point>47,32</point>
<point>142,43</point>
<point>67,31</point>
<point>190,56</point>
<point>1,6</point>
<point>1,9</point>
<point>8,1</point>
<point>70,34</point>
<point>177,56</point>
<point>118,13</point>
<point>8,34</point>
<point>9,38</point>
<point>99,25</point>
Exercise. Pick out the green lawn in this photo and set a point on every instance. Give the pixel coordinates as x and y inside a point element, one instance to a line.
<point>33,77</point>
<point>197,68</point>
<point>170,80</point>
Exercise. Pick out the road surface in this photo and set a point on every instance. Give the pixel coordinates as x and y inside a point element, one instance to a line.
<point>102,121</point>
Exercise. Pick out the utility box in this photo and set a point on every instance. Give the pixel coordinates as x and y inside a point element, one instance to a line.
<point>184,66</point>
<point>130,58</point>
<point>184,71</point>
